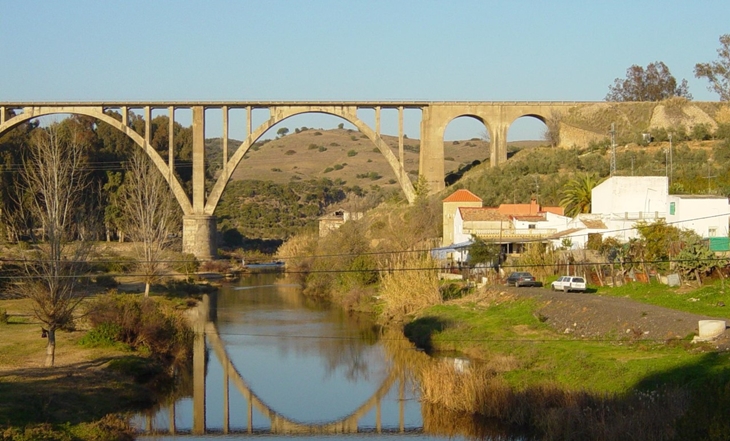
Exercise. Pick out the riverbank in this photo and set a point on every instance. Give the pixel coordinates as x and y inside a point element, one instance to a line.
<point>72,399</point>
<point>576,366</point>
<point>578,341</point>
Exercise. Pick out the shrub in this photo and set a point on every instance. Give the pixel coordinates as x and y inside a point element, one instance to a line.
<point>276,169</point>
<point>216,266</point>
<point>312,147</point>
<point>723,131</point>
<point>317,133</point>
<point>115,264</point>
<point>186,263</point>
<point>106,334</point>
<point>449,158</point>
<point>353,138</point>
<point>328,169</point>
<point>3,316</point>
<point>334,144</point>
<point>142,324</point>
<point>701,132</point>
<point>290,152</point>
<point>106,281</point>
<point>351,153</point>
<point>322,148</point>
<point>339,166</point>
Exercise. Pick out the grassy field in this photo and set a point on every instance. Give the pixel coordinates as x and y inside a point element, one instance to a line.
<point>528,352</point>
<point>84,396</point>
<point>711,299</point>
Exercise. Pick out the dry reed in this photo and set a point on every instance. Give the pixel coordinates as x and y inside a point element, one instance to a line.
<point>551,411</point>
<point>410,286</point>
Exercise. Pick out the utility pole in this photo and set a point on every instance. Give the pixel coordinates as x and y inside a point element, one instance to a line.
<point>613,148</point>
<point>709,177</point>
<point>671,165</point>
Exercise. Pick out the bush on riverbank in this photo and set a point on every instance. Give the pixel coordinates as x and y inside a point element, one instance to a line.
<point>409,286</point>
<point>346,265</point>
<point>143,324</point>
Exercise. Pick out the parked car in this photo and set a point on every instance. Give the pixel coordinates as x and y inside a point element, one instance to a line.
<point>522,279</point>
<point>569,283</point>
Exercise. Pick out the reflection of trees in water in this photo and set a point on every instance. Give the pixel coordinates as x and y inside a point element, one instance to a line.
<point>443,422</point>
<point>350,352</point>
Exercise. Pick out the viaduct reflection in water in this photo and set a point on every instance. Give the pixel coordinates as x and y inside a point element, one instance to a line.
<point>279,424</point>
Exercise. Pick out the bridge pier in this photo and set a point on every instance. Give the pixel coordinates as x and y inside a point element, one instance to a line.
<point>198,236</point>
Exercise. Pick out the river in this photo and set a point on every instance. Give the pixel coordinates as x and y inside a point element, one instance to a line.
<point>277,364</point>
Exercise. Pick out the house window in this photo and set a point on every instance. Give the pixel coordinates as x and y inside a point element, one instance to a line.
<point>712,232</point>
<point>671,208</point>
<point>531,226</point>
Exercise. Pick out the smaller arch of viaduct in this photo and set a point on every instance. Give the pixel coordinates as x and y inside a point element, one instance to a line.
<point>199,227</point>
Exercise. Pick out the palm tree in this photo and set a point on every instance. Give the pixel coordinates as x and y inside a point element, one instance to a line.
<point>577,194</point>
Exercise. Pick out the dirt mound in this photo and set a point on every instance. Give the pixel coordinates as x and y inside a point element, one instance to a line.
<point>591,316</point>
<point>689,116</point>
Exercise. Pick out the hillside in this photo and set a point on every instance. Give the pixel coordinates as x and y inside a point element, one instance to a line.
<point>300,176</point>
<point>342,155</point>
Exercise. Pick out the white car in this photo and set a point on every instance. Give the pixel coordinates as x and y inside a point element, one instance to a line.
<point>569,283</point>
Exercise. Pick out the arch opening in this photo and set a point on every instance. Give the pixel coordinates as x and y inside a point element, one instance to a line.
<point>298,153</point>
<point>466,145</point>
<point>527,131</point>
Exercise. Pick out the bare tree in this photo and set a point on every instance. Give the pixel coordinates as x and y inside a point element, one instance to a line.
<point>54,176</point>
<point>151,215</point>
<point>718,72</point>
<point>552,129</point>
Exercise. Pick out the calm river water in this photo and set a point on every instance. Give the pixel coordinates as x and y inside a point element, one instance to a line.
<point>277,365</point>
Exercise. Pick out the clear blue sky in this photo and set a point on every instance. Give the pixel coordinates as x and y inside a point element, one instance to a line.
<point>348,49</point>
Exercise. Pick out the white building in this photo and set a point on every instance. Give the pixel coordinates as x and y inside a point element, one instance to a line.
<point>706,215</point>
<point>622,201</point>
<point>631,197</point>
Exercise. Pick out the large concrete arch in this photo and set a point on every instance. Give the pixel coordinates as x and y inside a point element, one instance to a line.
<point>281,113</point>
<point>30,113</point>
<point>199,228</point>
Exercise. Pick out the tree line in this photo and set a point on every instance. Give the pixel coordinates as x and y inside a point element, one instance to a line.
<point>656,83</point>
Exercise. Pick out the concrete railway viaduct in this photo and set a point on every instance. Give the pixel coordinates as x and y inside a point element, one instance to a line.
<point>199,223</point>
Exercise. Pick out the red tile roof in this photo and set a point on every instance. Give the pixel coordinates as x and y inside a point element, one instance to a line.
<point>482,214</point>
<point>462,196</point>
<point>537,218</point>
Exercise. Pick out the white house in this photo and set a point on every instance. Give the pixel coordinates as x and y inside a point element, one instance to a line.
<point>622,201</point>
<point>706,215</point>
<point>631,197</point>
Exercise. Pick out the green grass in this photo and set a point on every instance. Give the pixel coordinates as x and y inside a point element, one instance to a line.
<point>704,301</point>
<point>545,356</point>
